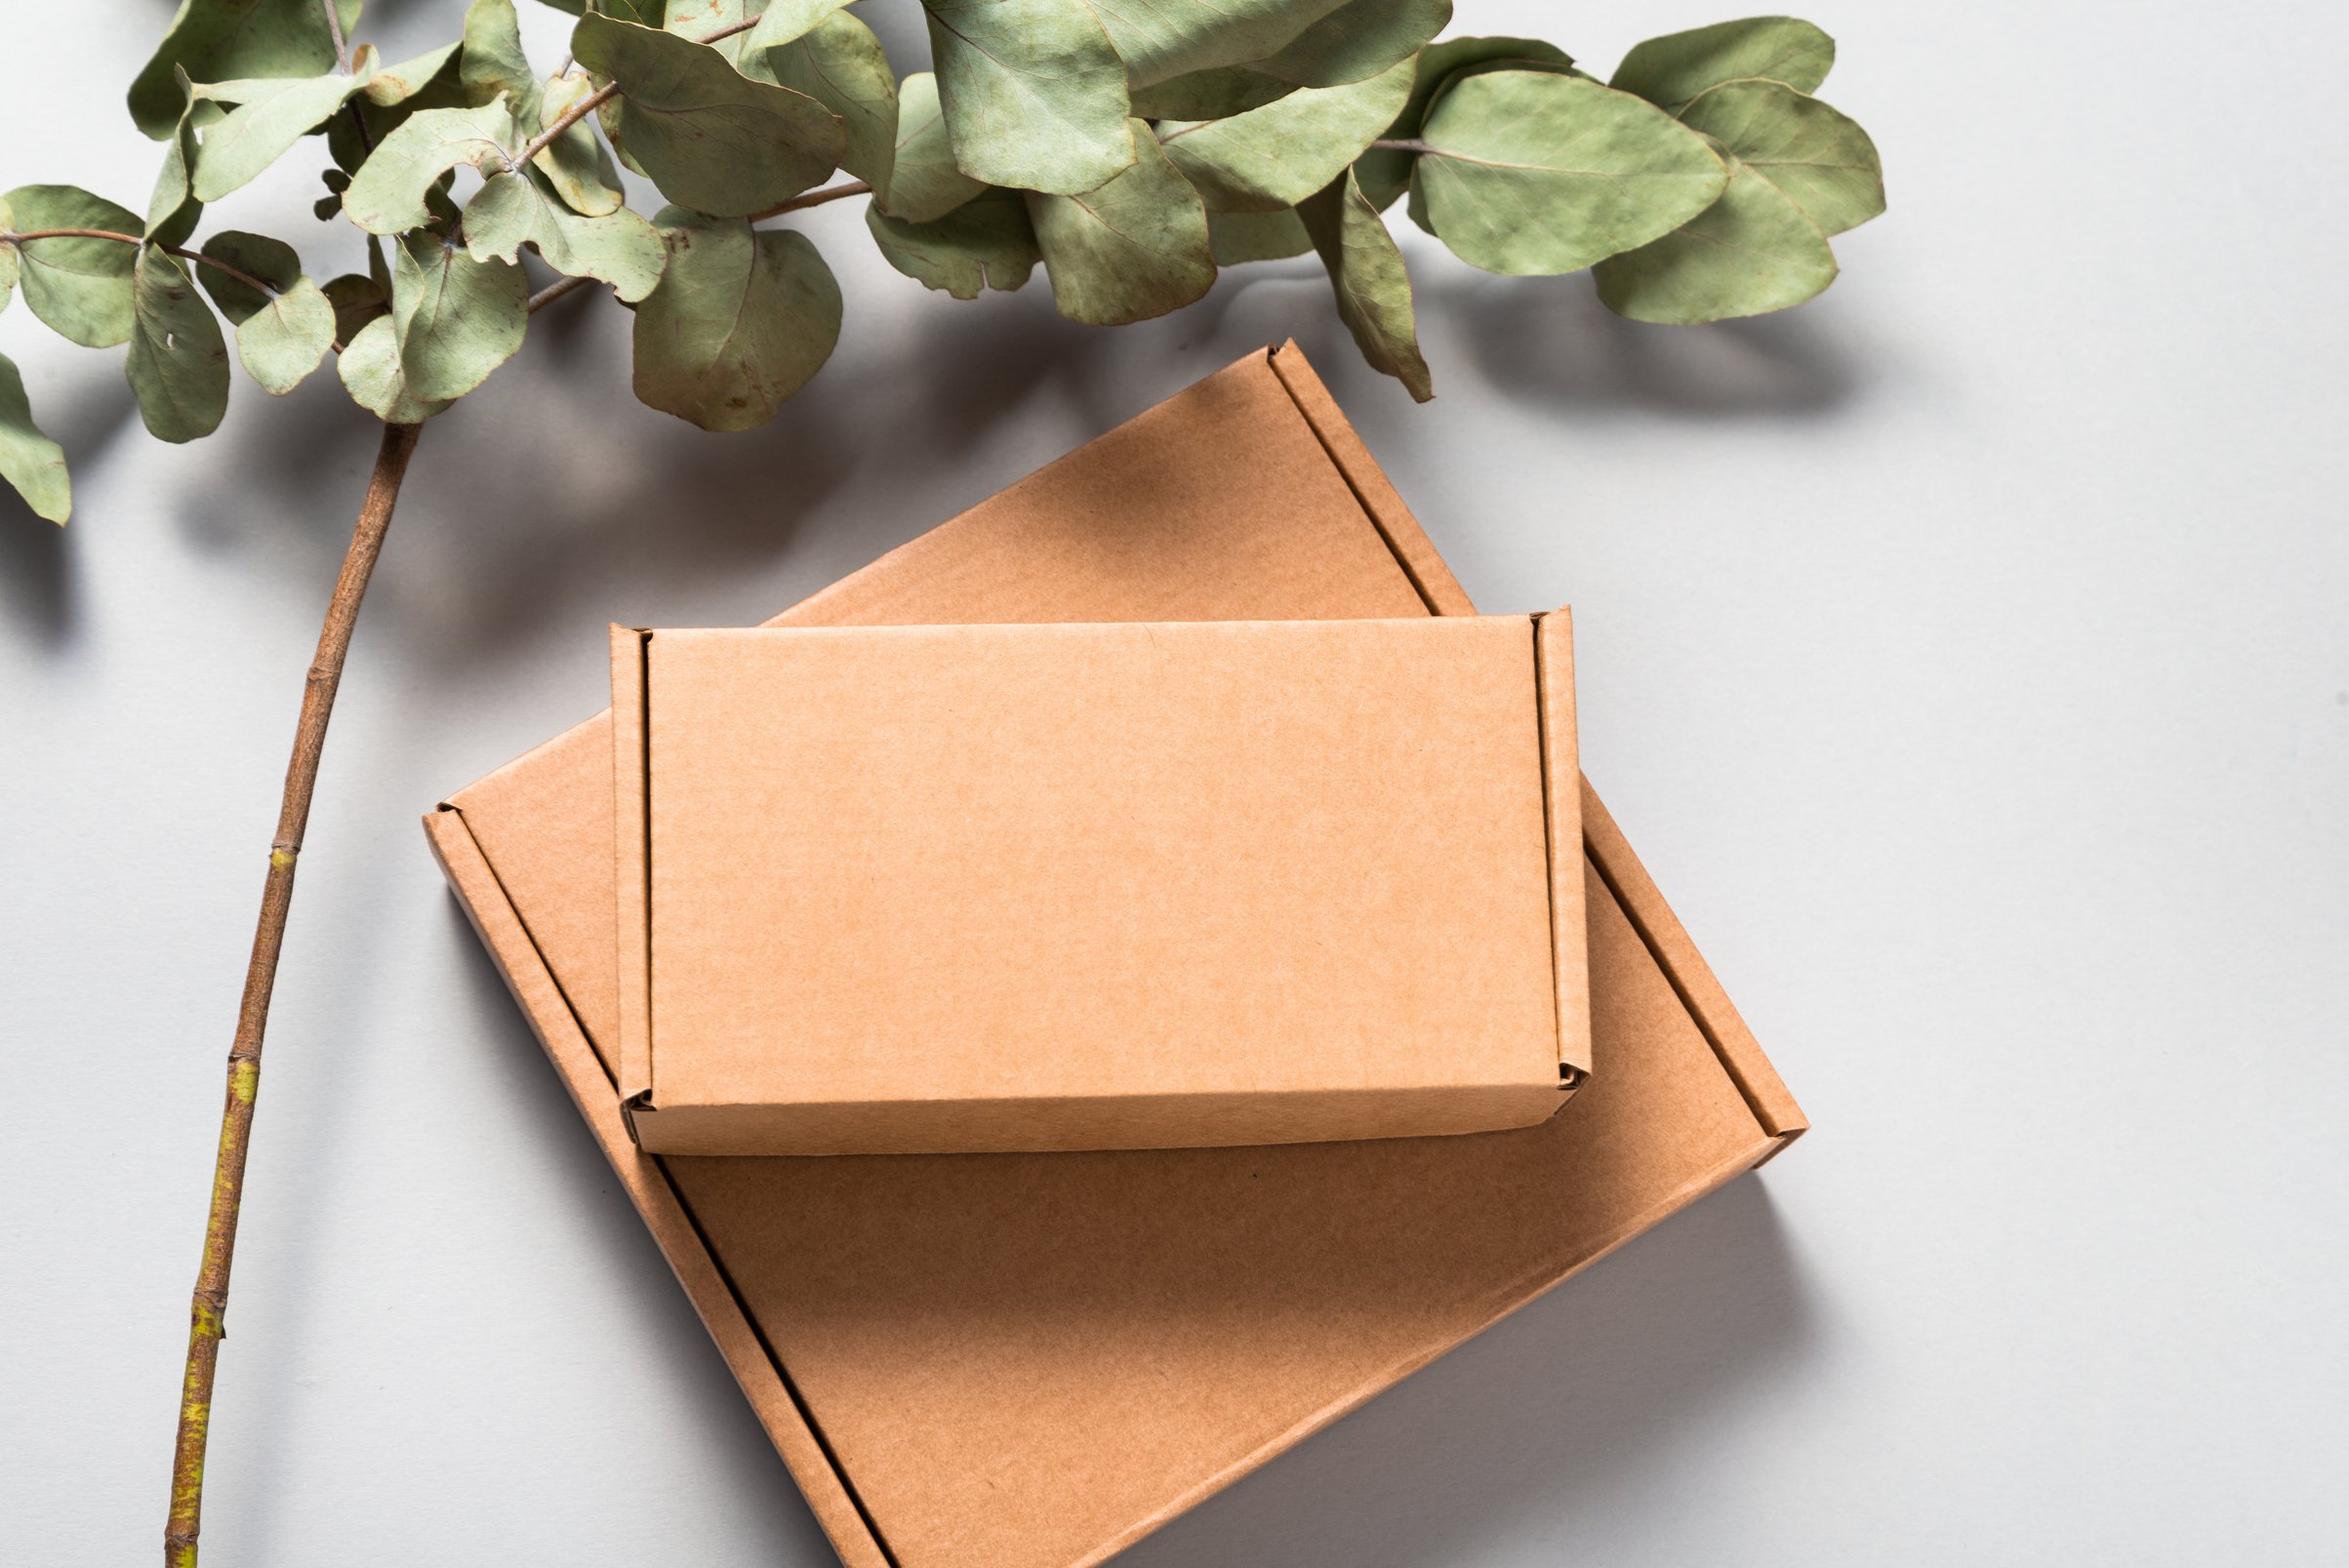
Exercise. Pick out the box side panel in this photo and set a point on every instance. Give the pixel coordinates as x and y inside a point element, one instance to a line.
<point>1430,576</point>
<point>1562,794</point>
<point>745,1352</point>
<point>1642,903</point>
<point>632,859</point>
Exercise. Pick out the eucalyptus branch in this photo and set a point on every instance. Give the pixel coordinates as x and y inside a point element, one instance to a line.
<point>603,95</point>
<point>210,1303</point>
<point>333,30</point>
<point>1400,144</point>
<point>815,198</point>
<point>7,237</point>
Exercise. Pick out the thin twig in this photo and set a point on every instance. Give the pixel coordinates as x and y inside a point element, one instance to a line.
<point>242,276</point>
<point>1399,144</point>
<point>815,198</point>
<point>333,29</point>
<point>210,1303</point>
<point>555,291</point>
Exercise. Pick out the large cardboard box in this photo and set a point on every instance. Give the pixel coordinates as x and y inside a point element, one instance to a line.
<point>891,890</point>
<point>1032,1360</point>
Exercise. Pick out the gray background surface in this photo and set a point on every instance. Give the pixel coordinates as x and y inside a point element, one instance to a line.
<point>1965,653</point>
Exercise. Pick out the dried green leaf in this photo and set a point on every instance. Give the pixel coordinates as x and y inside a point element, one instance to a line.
<point>282,331</point>
<point>388,193</point>
<point>1034,93</point>
<point>173,210</point>
<point>1356,42</point>
<point>712,139</point>
<point>458,319</point>
<point>33,466</point>
<point>437,74</point>
<point>785,19</point>
<point>357,300</point>
<point>841,64</point>
<point>1163,39</point>
<point>576,163</point>
<point>1670,71</point>
<point>179,362</point>
<point>492,60</point>
<point>984,244</point>
<point>1751,252</point>
<point>1209,95</point>
<point>1238,238</point>
<point>1373,289</point>
<point>511,211</point>
<point>371,372</point>
<point>1274,157</point>
<point>81,288</point>
<point>1820,157</point>
<point>923,184</point>
<point>1135,248</point>
<point>741,321</point>
<point>269,118</point>
<point>8,256</point>
<point>223,40</point>
<point>1531,172</point>
<point>1385,171</point>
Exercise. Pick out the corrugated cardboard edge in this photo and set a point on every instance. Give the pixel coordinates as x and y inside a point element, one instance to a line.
<point>632,851</point>
<point>746,1352</point>
<point>1660,930</point>
<point>1562,806</point>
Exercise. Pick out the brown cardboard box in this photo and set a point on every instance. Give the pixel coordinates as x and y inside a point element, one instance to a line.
<point>1032,1360</point>
<point>1086,886</point>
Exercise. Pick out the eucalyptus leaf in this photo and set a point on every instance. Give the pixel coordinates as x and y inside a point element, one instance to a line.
<point>458,320</point>
<point>785,19</point>
<point>1274,157</point>
<point>223,40</point>
<point>388,193</point>
<point>1209,95</point>
<point>1356,42</point>
<point>81,288</point>
<point>712,139</point>
<point>426,75</point>
<point>1367,274</point>
<point>173,211</point>
<point>694,20</point>
<point>282,331</point>
<point>511,211</point>
<point>8,258</point>
<point>741,321</point>
<point>923,184</point>
<point>179,363</point>
<point>33,466</point>
<point>271,262</point>
<point>371,372</point>
<point>1670,71</point>
<point>1751,252</point>
<point>841,64</point>
<point>1161,39</point>
<point>1236,238</point>
<point>1531,172</point>
<point>1135,248</point>
<point>357,300</point>
<point>1034,94</point>
<point>576,163</point>
<point>984,244</point>
<point>269,118</point>
<point>1820,157</point>
<point>491,60</point>
<point>1385,171</point>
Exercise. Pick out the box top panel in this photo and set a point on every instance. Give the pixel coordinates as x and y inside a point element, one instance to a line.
<point>952,862</point>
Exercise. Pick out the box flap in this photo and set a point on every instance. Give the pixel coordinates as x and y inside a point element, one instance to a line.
<point>1561,795</point>
<point>632,868</point>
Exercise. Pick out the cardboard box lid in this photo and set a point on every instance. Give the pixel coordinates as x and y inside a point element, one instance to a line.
<point>1030,1361</point>
<point>1094,885</point>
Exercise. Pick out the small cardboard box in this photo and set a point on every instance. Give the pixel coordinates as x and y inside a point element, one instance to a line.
<point>1033,1360</point>
<point>1138,885</point>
